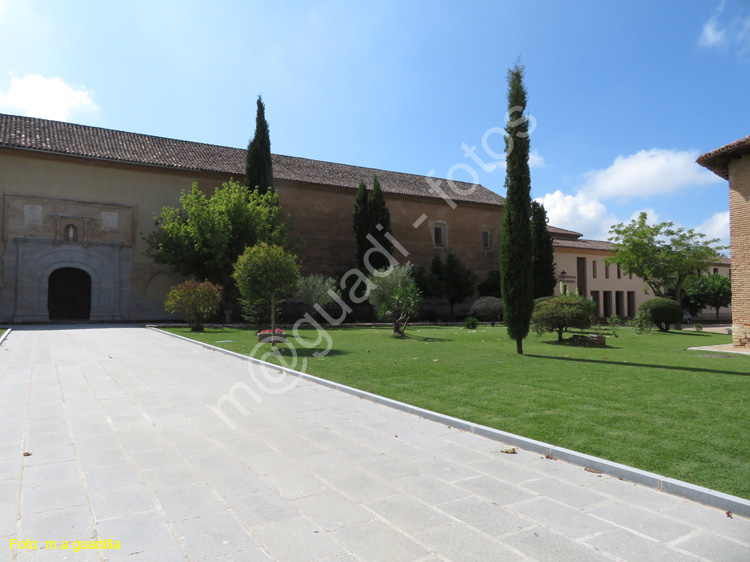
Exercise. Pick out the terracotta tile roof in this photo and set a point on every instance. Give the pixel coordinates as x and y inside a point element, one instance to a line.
<point>583,244</point>
<point>93,142</point>
<point>718,160</point>
<point>561,233</point>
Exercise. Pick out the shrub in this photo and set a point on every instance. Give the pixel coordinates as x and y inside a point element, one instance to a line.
<point>614,323</point>
<point>560,313</point>
<point>394,294</point>
<point>314,289</point>
<point>194,301</point>
<point>543,299</point>
<point>488,308</point>
<point>642,321</point>
<point>471,323</point>
<point>664,312</point>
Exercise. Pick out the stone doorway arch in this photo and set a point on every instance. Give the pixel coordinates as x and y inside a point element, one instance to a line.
<point>69,294</point>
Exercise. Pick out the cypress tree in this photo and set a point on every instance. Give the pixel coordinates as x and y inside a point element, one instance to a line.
<point>543,254</point>
<point>515,242</point>
<point>361,221</point>
<point>380,224</point>
<point>259,167</point>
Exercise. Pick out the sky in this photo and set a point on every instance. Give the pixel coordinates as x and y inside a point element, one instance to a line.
<point>623,96</point>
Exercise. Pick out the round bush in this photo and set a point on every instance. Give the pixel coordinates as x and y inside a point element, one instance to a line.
<point>471,323</point>
<point>487,308</point>
<point>543,299</point>
<point>664,312</point>
<point>560,313</point>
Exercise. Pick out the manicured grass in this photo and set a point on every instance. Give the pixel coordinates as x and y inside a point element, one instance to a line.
<point>644,400</point>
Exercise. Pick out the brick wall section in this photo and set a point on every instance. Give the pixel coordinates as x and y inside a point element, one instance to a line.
<point>739,225</point>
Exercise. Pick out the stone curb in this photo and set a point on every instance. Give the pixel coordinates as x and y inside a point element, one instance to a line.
<point>5,335</point>
<point>713,498</point>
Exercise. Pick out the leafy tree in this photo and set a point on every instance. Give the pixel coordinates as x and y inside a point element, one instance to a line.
<point>395,295</point>
<point>663,311</point>
<point>662,255</point>
<point>561,313</point>
<point>706,291</point>
<point>259,166</point>
<point>205,236</point>
<point>515,241</point>
<point>314,289</point>
<point>543,253</point>
<point>194,301</point>
<point>458,280</point>
<point>371,217</point>
<point>491,287</point>
<point>487,308</point>
<point>265,271</point>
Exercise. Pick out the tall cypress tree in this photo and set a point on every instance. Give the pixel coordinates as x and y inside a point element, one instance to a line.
<point>259,167</point>
<point>371,212</point>
<point>361,221</point>
<point>543,254</point>
<point>515,242</point>
<point>380,224</point>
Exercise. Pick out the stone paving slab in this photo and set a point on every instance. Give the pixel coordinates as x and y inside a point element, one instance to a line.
<point>182,453</point>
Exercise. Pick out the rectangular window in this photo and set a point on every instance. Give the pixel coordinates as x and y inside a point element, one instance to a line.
<point>630,275</point>
<point>619,274</point>
<point>716,270</point>
<point>486,239</point>
<point>438,236</point>
<point>593,268</point>
<point>606,271</point>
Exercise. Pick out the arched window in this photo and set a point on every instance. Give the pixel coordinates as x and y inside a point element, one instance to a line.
<point>71,233</point>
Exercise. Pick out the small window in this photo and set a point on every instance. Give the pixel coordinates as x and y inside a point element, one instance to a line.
<point>716,270</point>
<point>438,236</point>
<point>606,271</point>
<point>71,233</point>
<point>619,273</point>
<point>486,239</point>
<point>630,275</point>
<point>593,268</point>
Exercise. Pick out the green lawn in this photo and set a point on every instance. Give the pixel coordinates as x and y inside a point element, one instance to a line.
<point>644,401</point>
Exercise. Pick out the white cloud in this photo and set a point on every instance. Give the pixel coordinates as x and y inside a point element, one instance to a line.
<point>645,173</point>
<point>712,35</point>
<point>716,227</point>
<point>536,160</point>
<point>48,98</point>
<point>640,175</point>
<point>580,213</point>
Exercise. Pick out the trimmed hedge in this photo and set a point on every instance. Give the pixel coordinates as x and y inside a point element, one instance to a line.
<point>664,312</point>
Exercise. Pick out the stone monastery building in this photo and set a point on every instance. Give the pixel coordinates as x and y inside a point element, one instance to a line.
<point>78,201</point>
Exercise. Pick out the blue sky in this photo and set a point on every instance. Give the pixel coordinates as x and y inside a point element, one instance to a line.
<point>625,95</point>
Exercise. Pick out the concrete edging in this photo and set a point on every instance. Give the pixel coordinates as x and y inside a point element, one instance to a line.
<point>671,486</point>
<point>5,335</point>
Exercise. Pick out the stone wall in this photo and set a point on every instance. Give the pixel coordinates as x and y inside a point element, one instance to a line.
<point>739,226</point>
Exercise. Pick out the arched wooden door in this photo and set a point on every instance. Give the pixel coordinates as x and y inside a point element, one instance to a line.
<point>69,294</point>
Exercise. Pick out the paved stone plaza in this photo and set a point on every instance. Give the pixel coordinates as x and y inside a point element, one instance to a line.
<point>124,445</point>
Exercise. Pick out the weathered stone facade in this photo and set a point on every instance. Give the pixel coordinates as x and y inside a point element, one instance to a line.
<point>83,199</point>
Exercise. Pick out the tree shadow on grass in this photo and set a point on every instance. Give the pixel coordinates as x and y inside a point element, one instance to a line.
<point>411,336</point>
<point>646,365</point>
